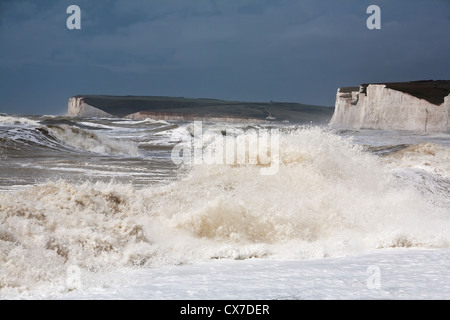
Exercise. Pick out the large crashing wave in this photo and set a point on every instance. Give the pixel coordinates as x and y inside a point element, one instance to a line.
<point>61,135</point>
<point>328,198</point>
<point>92,142</point>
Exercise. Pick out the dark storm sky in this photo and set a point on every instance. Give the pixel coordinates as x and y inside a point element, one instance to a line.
<point>253,50</point>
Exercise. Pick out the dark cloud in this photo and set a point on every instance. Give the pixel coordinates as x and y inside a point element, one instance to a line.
<point>285,50</point>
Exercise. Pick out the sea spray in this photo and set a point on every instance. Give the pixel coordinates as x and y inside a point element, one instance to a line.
<point>328,198</point>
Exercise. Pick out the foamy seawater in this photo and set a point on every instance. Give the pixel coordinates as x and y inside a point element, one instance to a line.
<point>101,194</point>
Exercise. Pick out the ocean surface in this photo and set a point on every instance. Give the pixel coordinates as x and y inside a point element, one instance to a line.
<point>90,208</point>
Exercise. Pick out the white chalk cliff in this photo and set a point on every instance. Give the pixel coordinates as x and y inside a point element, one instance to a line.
<point>375,106</point>
<point>77,107</point>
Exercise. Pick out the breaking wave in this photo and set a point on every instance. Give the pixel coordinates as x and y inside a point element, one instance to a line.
<point>92,142</point>
<point>59,134</point>
<point>328,198</point>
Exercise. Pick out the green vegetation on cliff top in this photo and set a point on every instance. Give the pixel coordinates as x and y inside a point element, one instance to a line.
<point>125,105</point>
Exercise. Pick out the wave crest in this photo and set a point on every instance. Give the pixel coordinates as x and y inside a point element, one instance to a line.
<point>328,198</point>
<point>92,142</point>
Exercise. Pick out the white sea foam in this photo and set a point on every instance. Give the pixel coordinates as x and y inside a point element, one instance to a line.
<point>145,121</point>
<point>425,167</point>
<point>329,198</point>
<point>97,125</point>
<point>429,157</point>
<point>17,121</point>
<point>404,274</point>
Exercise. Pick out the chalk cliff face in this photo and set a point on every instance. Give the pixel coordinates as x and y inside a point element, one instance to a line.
<point>375,106</point>
<point>77,107</point>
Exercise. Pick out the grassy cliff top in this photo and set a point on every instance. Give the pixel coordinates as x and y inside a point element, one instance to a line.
<point>124,105</point>
<point>348,89</point>
<point>433,91</point>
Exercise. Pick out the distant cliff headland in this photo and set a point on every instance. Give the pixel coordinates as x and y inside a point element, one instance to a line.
<point>188,109</point>
<point>417,106</point>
